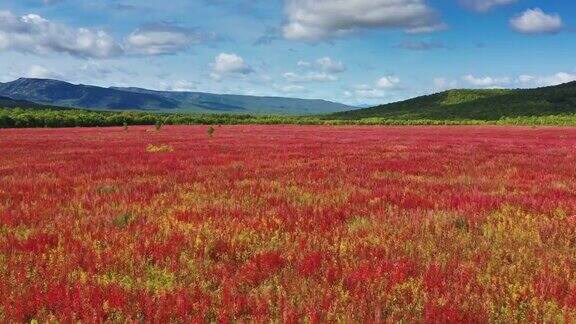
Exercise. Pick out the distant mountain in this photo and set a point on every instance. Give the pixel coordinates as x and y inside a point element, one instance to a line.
<point>476,104</point>
<point>6,102</point>
<point>222,103</point>
<point>59,93</point>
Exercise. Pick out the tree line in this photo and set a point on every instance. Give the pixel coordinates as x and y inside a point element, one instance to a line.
<point>55,118</point>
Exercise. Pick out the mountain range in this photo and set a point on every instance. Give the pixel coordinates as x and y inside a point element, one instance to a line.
<point>64,94</point>
<point>484,104</point>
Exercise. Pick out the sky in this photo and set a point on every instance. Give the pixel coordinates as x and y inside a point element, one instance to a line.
<point>359,52</point>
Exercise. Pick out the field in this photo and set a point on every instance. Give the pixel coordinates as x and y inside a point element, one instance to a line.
<point>288,223</point>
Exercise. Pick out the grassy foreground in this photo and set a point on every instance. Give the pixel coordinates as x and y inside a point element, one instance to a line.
<point>32,118</point>
<point>288,224</point>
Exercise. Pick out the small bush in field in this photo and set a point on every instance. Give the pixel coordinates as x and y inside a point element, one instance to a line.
<point>158,125</point>
<point>163,148</point>
<point>123,220</point>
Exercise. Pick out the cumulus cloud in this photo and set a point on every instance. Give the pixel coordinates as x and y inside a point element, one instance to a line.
<point>380,89</point>
<point>163,39</point>
<point>328,65</point>
<point>486,82</point>
<point>536,21</point>
<point>388,82</point>
<point>229,64</point>
<point>40,72</point>
<point>34,34</point>
<point>322,70</point>
<point>304,64</point>
<point>547,80</point>
<point>521,81</point>
<point>485,5</point>
<point>314,20</point>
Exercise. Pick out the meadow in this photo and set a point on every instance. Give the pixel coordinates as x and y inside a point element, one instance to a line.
<point>288,224</point>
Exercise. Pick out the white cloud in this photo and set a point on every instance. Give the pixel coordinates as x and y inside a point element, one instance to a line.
<point>388,82</point>
<point>485,5</point>
<point>486,82</point>
<point>314,20</point>
<point>378,90</point>
<point>547,80</point>
<point>322,70</point>
<point>526,79</point>
<point>328,65</point>
<point>163,39</point>
<point>34,34</point>
<point>304,64</point>
<point>536,21</point>
<point>40,72</point>
<point>309,77</point>
<point>229,63</point>
<point>559,78</point>
<point>521,81</point>
<point>427,29</point>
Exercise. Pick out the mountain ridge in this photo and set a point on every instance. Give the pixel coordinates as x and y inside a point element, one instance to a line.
<point>61,93</point>
<point>480,104</point>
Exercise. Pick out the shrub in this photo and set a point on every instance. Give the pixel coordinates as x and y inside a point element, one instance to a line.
<point>158,125</point>
<point>163,148</point>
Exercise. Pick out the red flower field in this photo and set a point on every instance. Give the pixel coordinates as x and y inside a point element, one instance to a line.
<point>289,224</point>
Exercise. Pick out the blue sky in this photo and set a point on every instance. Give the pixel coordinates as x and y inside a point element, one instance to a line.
<point>353,51</point>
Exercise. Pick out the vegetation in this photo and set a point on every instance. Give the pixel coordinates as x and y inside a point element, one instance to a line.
<point>288,224</point>
<point>544,106</point>
<point>33,118</point>
<point>487,105</point>
<point>11,103</point>
<point>21,118</point>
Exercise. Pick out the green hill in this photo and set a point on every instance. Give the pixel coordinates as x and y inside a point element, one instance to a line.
<point>476,104</point>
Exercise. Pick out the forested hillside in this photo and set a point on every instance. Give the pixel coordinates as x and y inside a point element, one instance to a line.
<point>476,104</point>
